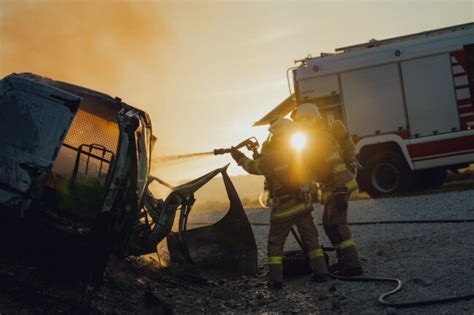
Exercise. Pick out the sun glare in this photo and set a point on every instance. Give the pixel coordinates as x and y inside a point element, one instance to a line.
<point>298,141</point>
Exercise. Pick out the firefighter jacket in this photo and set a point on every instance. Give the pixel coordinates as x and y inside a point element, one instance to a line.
<point>331,150</point>
<point>346,145</point>
<point>276,164</point>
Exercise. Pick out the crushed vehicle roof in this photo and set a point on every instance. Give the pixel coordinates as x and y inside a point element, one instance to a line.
<point>79,91</point>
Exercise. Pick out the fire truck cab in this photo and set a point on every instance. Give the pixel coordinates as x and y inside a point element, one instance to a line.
<point>406,101</point>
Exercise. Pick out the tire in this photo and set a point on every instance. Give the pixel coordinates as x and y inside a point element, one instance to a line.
<point>385,174</point>
<point>430,178</point>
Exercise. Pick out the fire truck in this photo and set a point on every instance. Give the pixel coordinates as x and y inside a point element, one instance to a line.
<point>407,103</point>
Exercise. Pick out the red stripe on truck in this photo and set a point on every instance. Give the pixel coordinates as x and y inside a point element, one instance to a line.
<point>467,119</point>
<point>441,147</point>
<point>464,101</point>
<point>458,87</point>
<point>467,109</point>
<point>443,155</point>
<point>460,58</point>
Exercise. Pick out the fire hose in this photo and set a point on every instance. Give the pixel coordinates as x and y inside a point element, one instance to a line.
<point>398,283</point>
<point>397,288</point>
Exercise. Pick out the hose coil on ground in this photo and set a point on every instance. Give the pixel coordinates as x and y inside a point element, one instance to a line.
<point>398,283</point>
<point>397,288</point>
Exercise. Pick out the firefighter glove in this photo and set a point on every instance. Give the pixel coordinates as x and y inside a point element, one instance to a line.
<point>354,166</point>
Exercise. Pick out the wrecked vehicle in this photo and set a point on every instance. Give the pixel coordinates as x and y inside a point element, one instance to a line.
<point>76,162</point>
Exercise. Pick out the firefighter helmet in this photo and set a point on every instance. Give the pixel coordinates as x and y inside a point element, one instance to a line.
<point>307,112</point>
<point>280,126</point>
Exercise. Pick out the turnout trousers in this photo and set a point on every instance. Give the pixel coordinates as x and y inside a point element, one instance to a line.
<point>308,231</point>
<point>337,230</point>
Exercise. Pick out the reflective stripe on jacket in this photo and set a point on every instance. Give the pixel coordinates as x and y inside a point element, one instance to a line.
<point>284,211</point>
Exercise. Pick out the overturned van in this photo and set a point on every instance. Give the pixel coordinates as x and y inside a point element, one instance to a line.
<point>78,161</point>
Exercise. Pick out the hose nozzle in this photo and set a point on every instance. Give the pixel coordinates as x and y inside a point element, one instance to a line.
<point>222,151</point>
<point>250,143</point>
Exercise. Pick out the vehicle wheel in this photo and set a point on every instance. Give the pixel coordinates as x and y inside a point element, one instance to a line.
<point>385,174</point>
<point>430,178</point>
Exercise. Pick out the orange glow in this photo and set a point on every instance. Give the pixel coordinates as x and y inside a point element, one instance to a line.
<point>298,141</point>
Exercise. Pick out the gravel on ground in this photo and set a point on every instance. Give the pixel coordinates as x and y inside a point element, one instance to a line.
<point>433,260</point>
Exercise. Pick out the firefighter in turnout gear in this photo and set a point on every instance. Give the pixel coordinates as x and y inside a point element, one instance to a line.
<point>334,166</point>
<point>289,202</point>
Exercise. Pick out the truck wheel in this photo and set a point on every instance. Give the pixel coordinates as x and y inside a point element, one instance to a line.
<point>385,174</point>
<point>430,178</point>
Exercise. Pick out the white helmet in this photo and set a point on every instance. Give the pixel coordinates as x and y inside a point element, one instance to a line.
<point>307,112</point>
<point>280,126</point>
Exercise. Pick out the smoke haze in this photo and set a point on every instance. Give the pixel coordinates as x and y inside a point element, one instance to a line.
<point>88,43</point>
<point>203,70</point>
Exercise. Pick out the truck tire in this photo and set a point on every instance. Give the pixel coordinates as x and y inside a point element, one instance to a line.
<point>430,178</point>
<point>385,174</point>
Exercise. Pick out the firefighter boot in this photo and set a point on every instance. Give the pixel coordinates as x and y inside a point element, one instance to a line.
<point>338,266</point>
<point>335,267</point>
<point>349,264</point>
<point>275,273</point>
<point>318,264</point>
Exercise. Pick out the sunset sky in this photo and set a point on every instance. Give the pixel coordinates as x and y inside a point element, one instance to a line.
<point>205,71</point>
